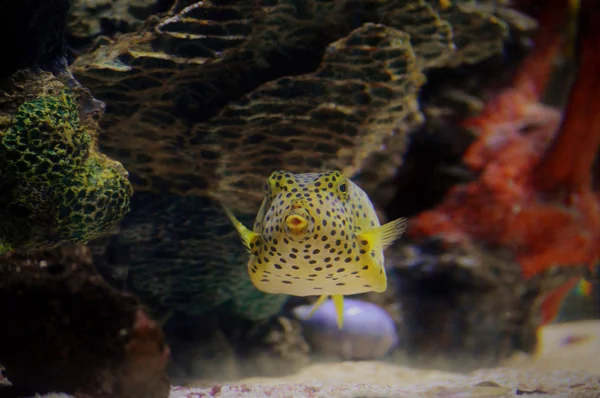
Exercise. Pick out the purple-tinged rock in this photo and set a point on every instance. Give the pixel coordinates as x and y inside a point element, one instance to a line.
<point>368,333</point>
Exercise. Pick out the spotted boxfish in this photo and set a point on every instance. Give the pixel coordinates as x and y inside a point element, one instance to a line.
<point>317,234</point>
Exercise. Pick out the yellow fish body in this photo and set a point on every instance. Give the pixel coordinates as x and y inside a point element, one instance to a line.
<point>317,234</point>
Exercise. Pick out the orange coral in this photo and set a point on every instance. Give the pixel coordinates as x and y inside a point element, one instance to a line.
<point>518,201</point>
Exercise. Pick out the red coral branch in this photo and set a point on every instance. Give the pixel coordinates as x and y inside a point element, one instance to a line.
<point>503,207</point>
<point>568,164</point>
<point>533,74</point>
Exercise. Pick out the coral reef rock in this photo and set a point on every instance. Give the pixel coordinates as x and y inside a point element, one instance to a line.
<point>90,19</point>
<point>465,302</point>
<point>55,186</point>
<point>497,251</point>
<point>67,330</point>
<point>180,255</point>
<point>204,102</point>
<point>243,88</point>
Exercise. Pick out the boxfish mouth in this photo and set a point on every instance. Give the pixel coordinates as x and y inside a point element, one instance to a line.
<point>296,222</point>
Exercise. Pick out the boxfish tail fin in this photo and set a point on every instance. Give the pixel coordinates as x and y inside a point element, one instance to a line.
<point>338,301</point>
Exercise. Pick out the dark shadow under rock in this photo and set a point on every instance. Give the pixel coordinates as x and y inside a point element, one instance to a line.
<point>67,330</point>
<point>465,307</point>
<point>221,349</point>
<point>31,33</point>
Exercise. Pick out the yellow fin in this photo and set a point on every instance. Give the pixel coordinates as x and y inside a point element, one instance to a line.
<point>383,236</point>
<point>375,275</point>
<point>318,303</point>
<point>338,300</point>
<point>249,237</point>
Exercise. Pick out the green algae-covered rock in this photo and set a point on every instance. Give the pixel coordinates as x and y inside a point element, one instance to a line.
<point>55,185</point>
<point>45,140</point>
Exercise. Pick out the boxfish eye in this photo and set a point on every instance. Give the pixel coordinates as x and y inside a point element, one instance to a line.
<point>343,188</point>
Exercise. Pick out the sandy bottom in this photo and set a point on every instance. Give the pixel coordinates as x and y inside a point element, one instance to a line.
<point>566,365</point>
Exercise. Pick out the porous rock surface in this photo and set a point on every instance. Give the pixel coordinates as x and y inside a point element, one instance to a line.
<point>243,88</point>
<point>204,102</point>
